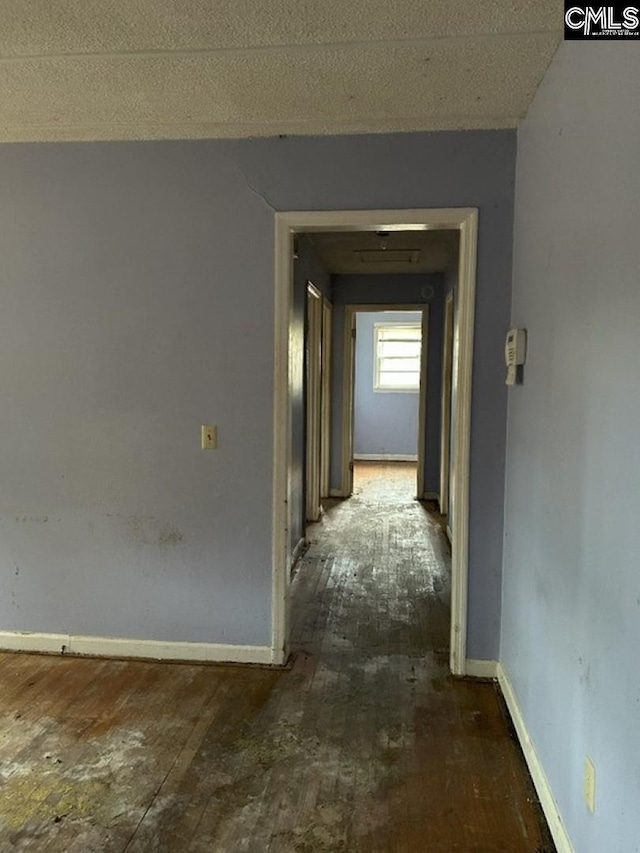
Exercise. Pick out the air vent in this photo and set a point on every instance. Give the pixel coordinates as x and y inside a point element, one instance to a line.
<point>388,256</point>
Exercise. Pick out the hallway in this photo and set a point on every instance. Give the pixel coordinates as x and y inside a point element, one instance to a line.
<point>366,744</point>
<point>420,761</point>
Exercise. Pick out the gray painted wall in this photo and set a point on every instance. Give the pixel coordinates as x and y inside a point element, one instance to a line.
<point>307,267</point>
<point>137,303</point>
<point>383,422</point>
<point>571,610</point>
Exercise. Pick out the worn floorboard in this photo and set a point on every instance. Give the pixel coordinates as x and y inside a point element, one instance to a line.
<point>366,744</point>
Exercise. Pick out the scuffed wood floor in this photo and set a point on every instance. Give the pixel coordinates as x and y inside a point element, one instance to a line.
<point>366,744</point>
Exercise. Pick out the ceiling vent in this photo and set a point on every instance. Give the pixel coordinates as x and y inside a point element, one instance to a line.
<point>388,256</point>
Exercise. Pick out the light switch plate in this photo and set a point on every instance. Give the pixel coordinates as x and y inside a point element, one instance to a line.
<point>209,436</point>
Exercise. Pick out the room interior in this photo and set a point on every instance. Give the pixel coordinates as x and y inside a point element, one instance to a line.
<point>145,153</point>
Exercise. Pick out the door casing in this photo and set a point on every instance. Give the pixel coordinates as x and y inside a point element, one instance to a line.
<point>287,224</point>
<point>445,425</point>
<point>325,402</point>
<point>348,390</point>
<point>313,348</point>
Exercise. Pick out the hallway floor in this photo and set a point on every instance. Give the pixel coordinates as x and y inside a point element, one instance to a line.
<point>365,744</point>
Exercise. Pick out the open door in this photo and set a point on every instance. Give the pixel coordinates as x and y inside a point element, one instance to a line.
<point>422,404</point>
<point>445,431</point>
<point>314,398</point>
<point>325,402</point>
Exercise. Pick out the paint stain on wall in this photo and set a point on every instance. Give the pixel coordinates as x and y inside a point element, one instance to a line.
<point>148,531</point>
<point>32,519</point>
<point>169,538</point>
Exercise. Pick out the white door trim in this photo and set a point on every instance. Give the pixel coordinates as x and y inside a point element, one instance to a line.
<point>445,416</point>
<point>313,349</point>
<point>325,403</point>
<point>422,403</point>
<point>463,220</point>
<point>348,388</point>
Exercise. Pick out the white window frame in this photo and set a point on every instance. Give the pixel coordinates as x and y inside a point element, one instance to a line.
<point>394,389</point>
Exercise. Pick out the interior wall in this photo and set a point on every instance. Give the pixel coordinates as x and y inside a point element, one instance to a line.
<point>137,304</point>
<point>385,423</point>
<point>571,609</point>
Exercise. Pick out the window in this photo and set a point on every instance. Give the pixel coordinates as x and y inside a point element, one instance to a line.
<point>397,356</point>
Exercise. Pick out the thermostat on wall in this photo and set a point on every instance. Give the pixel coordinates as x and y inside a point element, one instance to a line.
<point>515,350</point>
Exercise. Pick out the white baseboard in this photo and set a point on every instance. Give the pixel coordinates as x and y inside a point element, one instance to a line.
<point>119,647</point>
<point>449,533</point>
<point>384,457</point>
<point>297,552</point>
<point>540,781</point>
<point>481,668</point>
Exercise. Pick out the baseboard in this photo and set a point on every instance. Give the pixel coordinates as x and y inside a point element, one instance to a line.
<point>298,551</point>
<point>336,493</point>
<point>431,496</point>
<point>118,647</point>
<point>449,533</point>
<point>481,668</point>
<point>540,781</point>
<point>384,457</point>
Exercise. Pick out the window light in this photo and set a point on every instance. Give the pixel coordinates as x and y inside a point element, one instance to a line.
<point>397,356</point>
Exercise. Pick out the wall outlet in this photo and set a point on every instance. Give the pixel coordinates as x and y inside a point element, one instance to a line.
<point>209,437</point>
<point>590,784</point>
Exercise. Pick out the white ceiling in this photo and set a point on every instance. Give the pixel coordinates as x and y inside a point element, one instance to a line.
<point>369,252</point>
<point>165,69</point>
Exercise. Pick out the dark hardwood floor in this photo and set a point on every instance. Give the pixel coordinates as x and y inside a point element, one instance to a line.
<point>365,744</point>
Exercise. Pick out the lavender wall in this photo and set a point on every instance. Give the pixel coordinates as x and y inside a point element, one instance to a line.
<point>571,608</point>
<point>384,423</point>
<point>137,303</point>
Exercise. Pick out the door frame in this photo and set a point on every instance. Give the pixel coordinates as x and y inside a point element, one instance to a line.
<point>349,385</point>
<point>325,401</point>
<point>313,402</point>
<point>445,417</point>
<point>287,224</point>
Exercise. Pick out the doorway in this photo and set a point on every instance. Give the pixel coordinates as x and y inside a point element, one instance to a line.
<point>385,388</point>
<point>464,222</point>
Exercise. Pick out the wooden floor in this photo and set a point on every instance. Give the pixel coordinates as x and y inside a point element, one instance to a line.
<point>366,744</point>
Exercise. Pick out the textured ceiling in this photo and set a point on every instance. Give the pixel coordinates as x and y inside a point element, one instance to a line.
<point>162,69</point>
<point>368,252</point>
